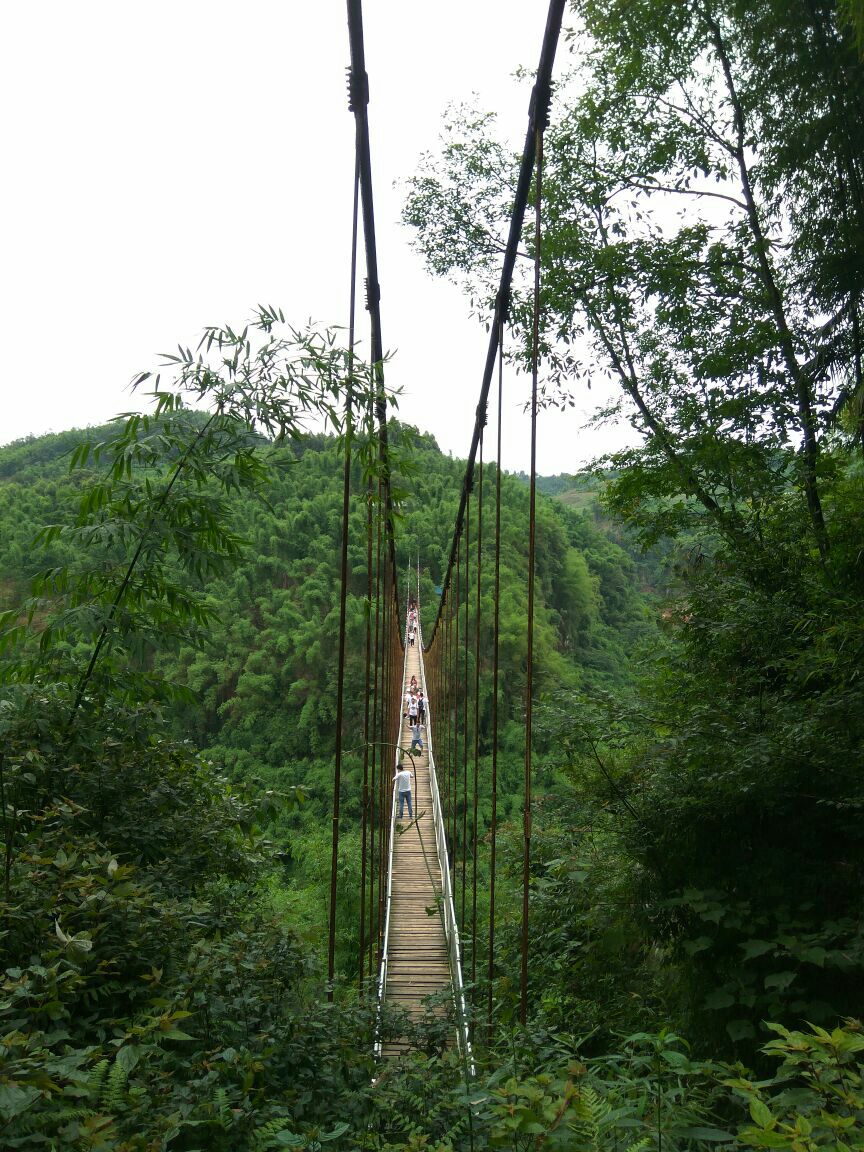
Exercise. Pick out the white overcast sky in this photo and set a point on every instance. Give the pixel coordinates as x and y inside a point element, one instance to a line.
<point>171,164</point>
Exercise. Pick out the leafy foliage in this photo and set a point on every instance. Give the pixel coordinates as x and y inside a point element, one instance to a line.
<point>697,839</point>
<point>702,249</point>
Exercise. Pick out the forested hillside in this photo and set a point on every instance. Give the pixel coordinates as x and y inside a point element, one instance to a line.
<point>622,897</point>
<point>694,891</point>
<point>263,682</point>
<point>263,678</point>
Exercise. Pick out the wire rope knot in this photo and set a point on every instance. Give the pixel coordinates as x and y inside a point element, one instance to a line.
<point>538,110</point>
<point>502,303</point>
<point>373,293</point>
<point>358,88</point>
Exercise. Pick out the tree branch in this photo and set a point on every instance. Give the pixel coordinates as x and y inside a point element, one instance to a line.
<point>802,384</point>
<point>656,187</point>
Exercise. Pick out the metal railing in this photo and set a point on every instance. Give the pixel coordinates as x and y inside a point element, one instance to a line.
<point>382,968</point>
<point>451,928</point>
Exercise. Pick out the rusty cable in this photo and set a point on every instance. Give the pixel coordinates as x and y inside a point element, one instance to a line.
<point>367,735</point>
<point>465,714</point>
<point>532,526</point>
<point>343,599</point>
<point>456,698</point>
<point>493,831</point>
<point>476,718</point>
<point>377,735</point>
<point>358,87</point>
<point>539,103</point>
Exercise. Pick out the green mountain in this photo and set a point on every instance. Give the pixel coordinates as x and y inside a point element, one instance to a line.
<point>264,681</point>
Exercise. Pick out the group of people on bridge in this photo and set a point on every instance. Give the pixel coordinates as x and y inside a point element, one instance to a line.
<point>412,622</point>
<point>414,710</point>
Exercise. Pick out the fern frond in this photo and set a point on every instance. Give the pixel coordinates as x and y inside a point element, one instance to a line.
<point>263,1138</point>
<point>41,1122</point>
<point>223,1110</point>
<point>114,1090</point>
<point>598,1106</point>
<point>639,1145</point>
<point>96,1079</point>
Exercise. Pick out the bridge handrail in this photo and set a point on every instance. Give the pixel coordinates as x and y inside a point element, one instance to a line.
<point>382,969</point>
<point>451,928</point>
<point>389,879</point>
<point>385,941</point>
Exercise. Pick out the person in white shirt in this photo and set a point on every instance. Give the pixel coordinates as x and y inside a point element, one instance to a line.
<point>402,780</point>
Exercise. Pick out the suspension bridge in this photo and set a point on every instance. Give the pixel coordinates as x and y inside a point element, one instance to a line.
<point>419,936</point>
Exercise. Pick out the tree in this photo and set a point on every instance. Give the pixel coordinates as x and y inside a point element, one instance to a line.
<point>692,184</point>
<point>703,247</point>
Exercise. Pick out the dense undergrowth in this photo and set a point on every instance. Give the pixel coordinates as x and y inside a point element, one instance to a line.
<point>157,992</point>
<point>168,668</point>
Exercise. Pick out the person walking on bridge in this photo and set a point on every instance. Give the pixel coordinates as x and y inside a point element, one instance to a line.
<point>413,708</point>
<point>402,780</point>
<point>416,737</point>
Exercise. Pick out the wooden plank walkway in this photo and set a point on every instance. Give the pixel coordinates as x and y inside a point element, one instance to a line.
<point>418,964</point>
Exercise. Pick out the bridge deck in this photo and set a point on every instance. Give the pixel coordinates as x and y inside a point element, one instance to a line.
<point>418,964</point>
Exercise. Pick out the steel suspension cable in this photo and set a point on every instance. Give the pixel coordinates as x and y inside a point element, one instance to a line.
<point>456,699</point>
<point>374,871</point>
<point>367,734</point>
<point>397,673</point>
<point>532,532</point>
<point>451,745</point>
<point>538,112</point>
<point>383,773</point>
<point>493,831</point>
<point>538,117</point>
<point>358,85</point>
<point>443,725</point>
<point>444,706</point>
<point>343,595</point>
<point>465,714</point>
<point>476,717</point>
<point>375,705</point>
<point>352,308</point>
